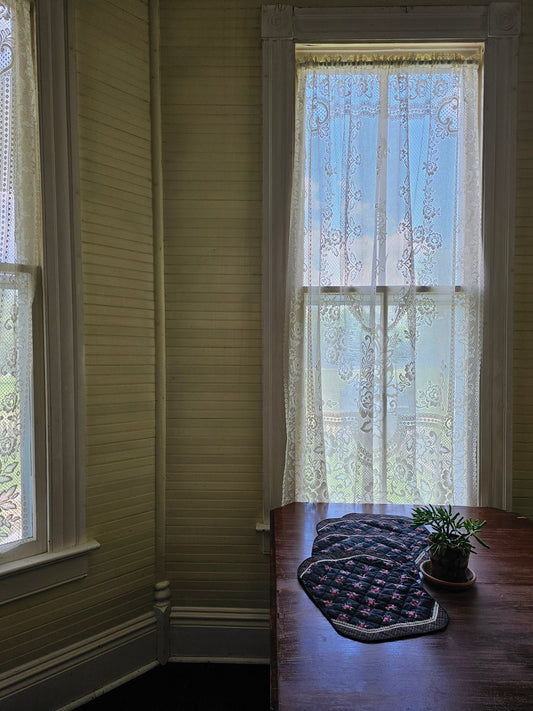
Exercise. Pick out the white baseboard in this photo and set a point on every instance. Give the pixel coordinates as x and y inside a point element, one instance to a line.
<point>219,634</point>
<point>66,679</point>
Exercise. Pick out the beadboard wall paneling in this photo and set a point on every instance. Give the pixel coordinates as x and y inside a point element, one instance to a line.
<point>211,120</point>
<point>116,192</point>
<point>115,195</point>
<point>523,272</point>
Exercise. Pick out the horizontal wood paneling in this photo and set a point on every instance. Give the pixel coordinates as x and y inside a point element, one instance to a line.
<point>523,271</point>
<point>211,86</point>
<point>115,153</point>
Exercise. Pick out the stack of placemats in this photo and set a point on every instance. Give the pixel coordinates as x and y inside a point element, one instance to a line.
<point>363,576</point>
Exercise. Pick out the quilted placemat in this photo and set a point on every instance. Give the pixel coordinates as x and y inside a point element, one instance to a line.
<point>363,576</point>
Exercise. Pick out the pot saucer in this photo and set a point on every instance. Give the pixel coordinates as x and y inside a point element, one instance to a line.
<point>425,569</point>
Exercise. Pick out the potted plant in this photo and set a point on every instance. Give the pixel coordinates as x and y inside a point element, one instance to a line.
<point>450,541</point>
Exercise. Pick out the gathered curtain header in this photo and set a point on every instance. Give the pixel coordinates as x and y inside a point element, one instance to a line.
<point>410,55</point>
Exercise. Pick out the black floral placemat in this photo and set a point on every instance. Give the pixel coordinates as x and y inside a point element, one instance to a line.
<point>363,576</point>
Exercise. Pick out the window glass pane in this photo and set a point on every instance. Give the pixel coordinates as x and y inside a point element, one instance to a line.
<point>16,474</point>
<point>19,260</point>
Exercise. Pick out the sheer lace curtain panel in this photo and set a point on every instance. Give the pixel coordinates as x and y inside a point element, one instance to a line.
<point>20,254</point>
<point>385,280</point>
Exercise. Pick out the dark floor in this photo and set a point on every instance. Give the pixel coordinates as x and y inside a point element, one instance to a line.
<point>191,687</point>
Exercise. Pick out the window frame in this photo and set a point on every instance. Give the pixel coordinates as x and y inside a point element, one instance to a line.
<point>59,374</point>
<point>497,26</point>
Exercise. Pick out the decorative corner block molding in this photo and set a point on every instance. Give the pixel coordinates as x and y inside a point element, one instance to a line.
<point>276,22</point>
<point>504,19</point>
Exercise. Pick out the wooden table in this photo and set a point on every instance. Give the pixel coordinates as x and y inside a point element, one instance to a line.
<point>482,660</point>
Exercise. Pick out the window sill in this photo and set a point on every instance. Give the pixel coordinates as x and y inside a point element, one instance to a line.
<point>24,577</point>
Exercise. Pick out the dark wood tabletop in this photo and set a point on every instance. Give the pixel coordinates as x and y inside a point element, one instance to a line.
<point>482,660</point>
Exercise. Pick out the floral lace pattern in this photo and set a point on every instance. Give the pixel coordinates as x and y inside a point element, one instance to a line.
<point>383,330</point>
<point>19,260</point>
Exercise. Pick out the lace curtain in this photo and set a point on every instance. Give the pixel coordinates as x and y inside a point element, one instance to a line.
<point>19,260</point>
<point>385,271</point>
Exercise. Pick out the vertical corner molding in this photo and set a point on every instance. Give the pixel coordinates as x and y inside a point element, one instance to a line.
<point>159,290</point>
<point>162,616</point>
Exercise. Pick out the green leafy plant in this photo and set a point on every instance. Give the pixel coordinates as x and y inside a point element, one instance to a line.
<point>450,530</point>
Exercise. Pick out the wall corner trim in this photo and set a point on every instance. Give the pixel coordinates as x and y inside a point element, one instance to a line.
<point>162,613</point>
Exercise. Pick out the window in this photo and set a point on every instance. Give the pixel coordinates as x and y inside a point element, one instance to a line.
<point>42,528</point>
<point>495,27</point>
<point>385,276</point>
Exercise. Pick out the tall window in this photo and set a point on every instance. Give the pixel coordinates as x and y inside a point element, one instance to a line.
<point>20,261</point>
<point>367,416</point>
<point>42,500</point>
<point>385,279</point>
